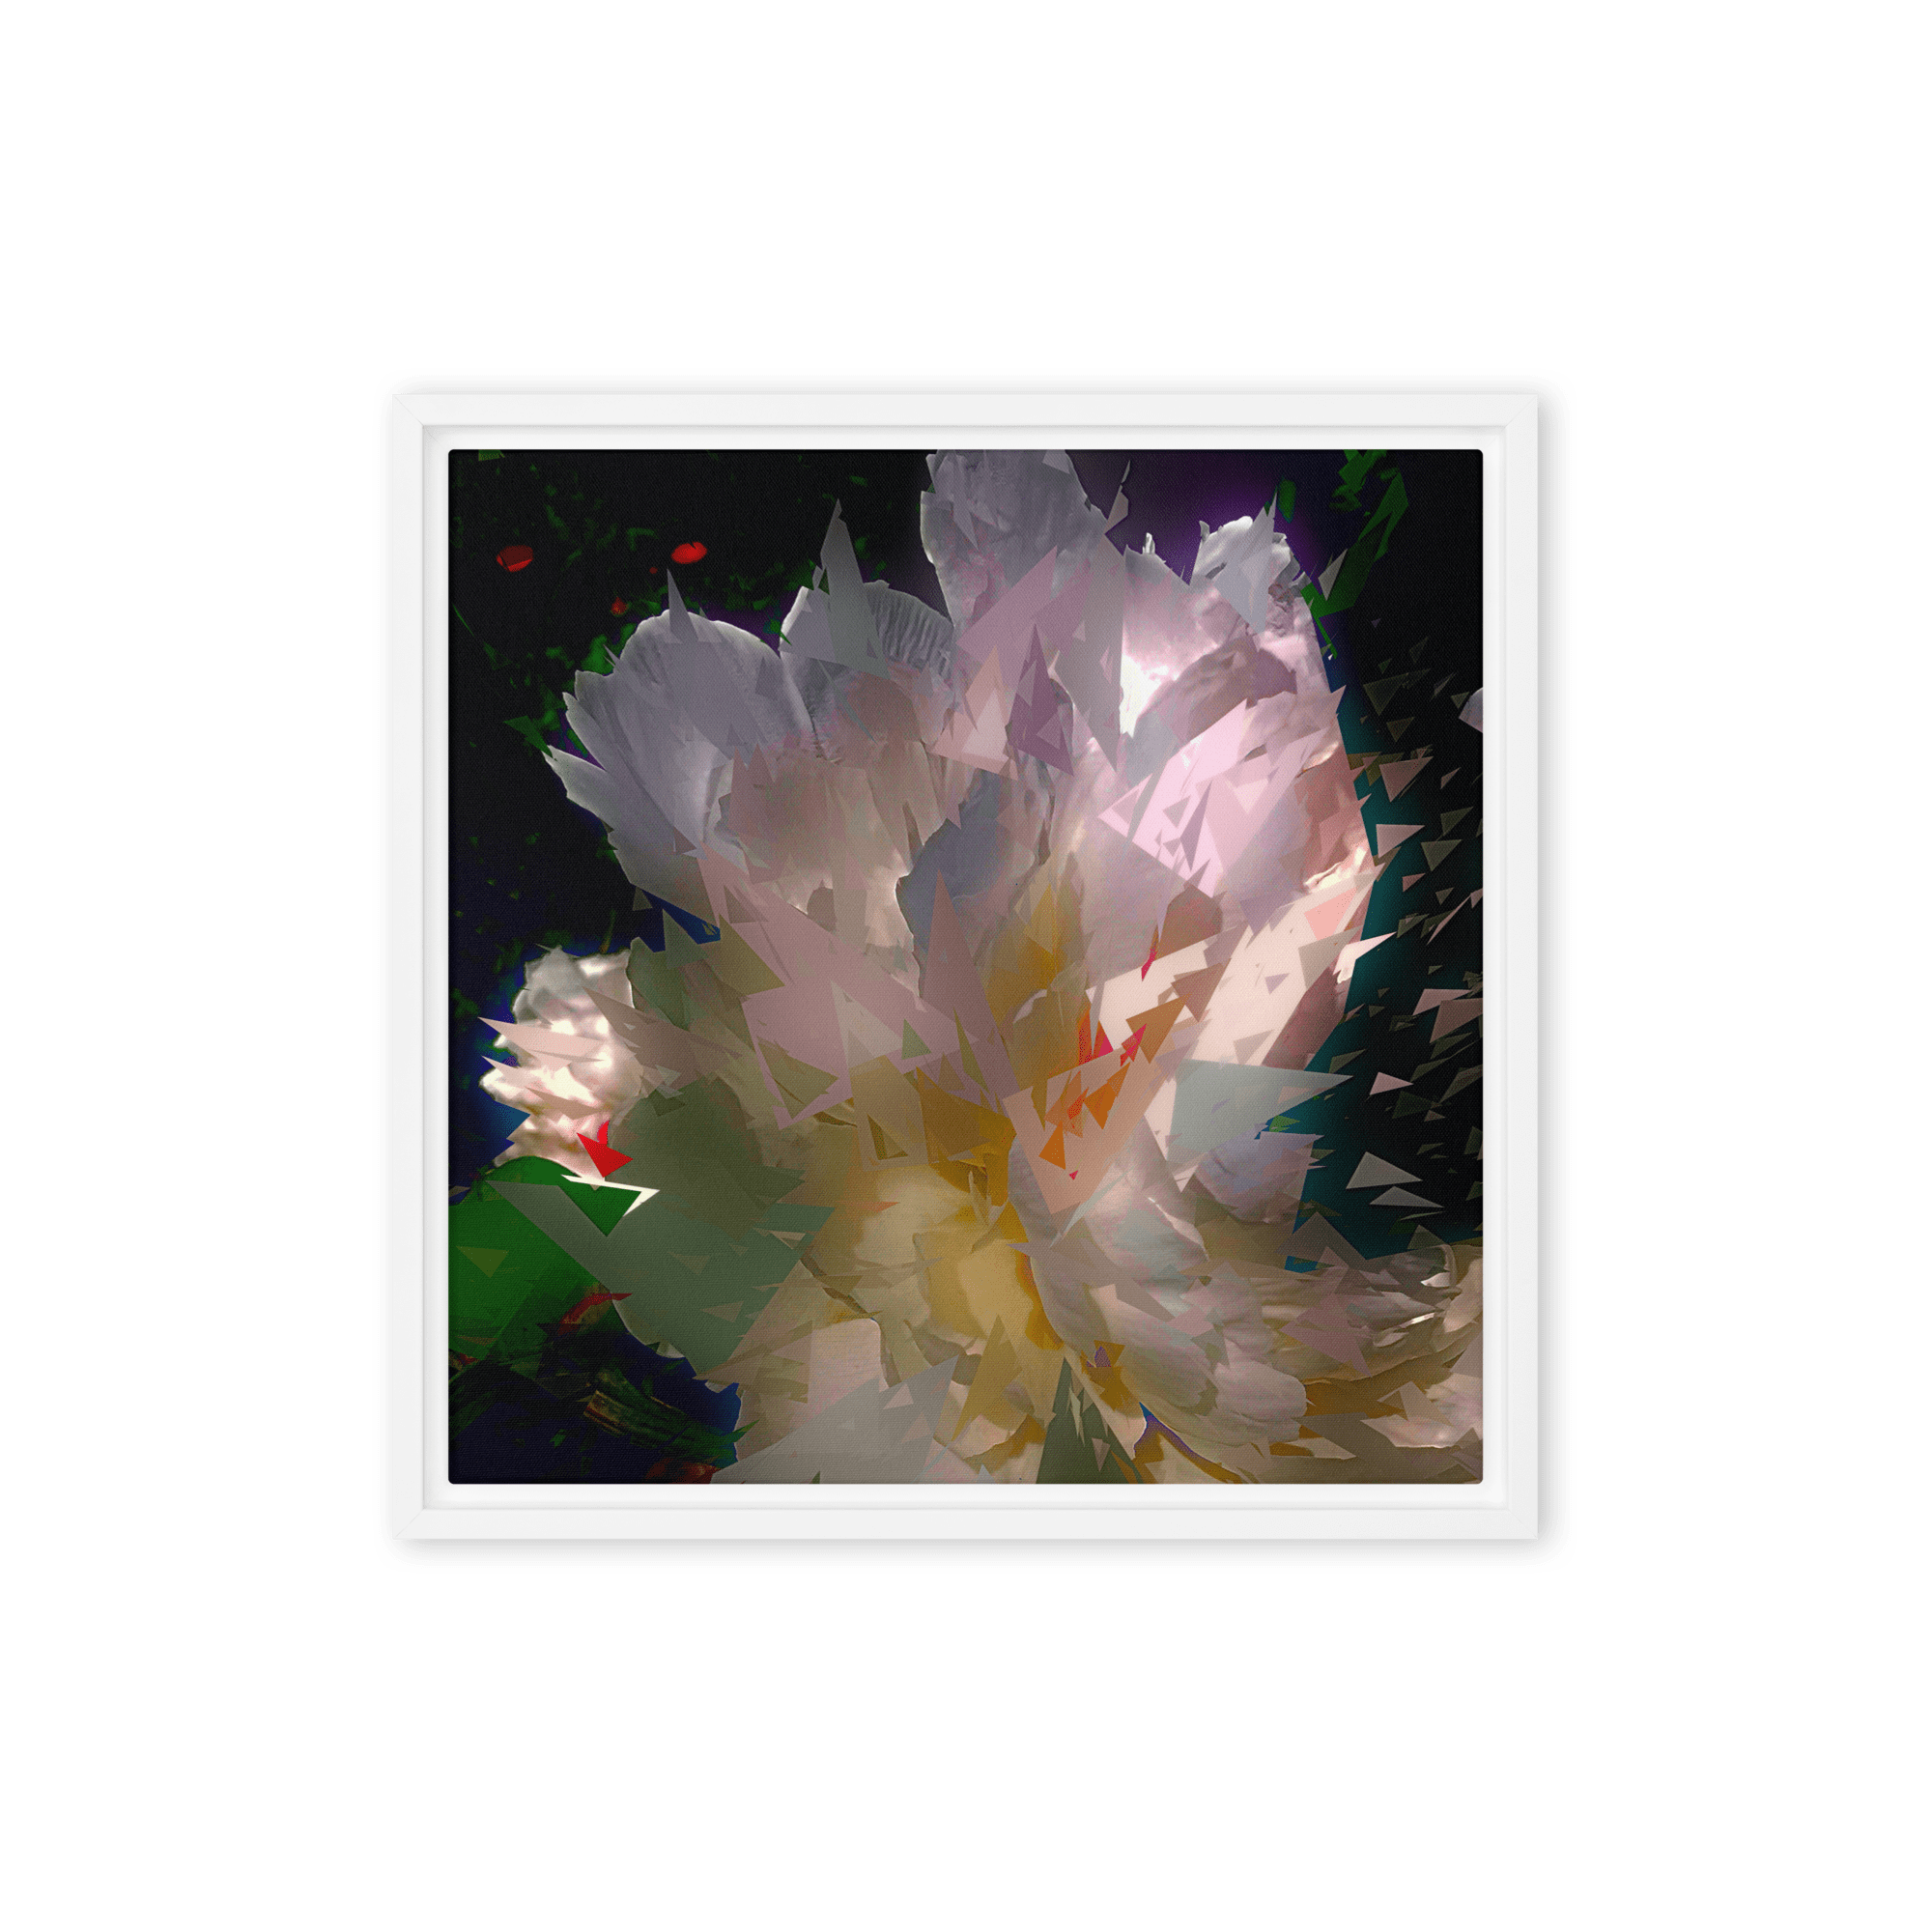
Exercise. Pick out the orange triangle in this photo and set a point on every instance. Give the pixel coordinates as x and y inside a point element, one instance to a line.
<point>1054,1149</point>
<point>1068,1105</point>
<point>1157,1023</point>
<point>1100,1102</point>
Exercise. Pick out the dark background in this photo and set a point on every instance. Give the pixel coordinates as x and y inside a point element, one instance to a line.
<point>530,870</point>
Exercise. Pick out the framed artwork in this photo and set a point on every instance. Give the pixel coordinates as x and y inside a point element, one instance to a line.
<point>965,966</point>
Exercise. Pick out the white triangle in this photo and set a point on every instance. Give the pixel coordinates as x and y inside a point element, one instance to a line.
<point>1389,837</point>
<point>1401,1197</point>
<point>1374,1172</point>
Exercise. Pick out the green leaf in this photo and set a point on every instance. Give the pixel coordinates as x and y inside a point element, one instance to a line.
<point>499,1262</point>
<point>1356,468</point>
<point>1364,554</point>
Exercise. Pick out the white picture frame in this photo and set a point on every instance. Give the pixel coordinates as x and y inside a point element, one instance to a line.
<point>1522,1511</point>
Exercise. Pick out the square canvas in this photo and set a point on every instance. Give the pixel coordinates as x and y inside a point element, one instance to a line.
<point>966,966</point>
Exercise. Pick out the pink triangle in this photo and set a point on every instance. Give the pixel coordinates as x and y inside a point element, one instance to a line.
<point>1397,777</point>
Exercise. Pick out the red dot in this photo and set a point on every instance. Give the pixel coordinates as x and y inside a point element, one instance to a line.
<point>688,552</point>
<point>516,556</point>
<point>619,607</point>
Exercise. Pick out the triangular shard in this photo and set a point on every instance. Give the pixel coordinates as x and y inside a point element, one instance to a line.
<point>1100,1102</point>
<point>1152,1027</point>
<point>1196,989</point>
<point>800,1084</point>
<point>607,1160</point>
<point>970,1063</point>
<point>1036,730</point>
<point>605,1203</point>
<point>1398,774</point>
<point>1375,1172</point>
<point>855,635</point>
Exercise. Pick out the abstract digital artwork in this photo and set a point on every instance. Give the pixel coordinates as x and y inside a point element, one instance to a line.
<point>966,966</point>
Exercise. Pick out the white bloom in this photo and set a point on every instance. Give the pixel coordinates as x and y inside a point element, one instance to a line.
<point>1146,803</point>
